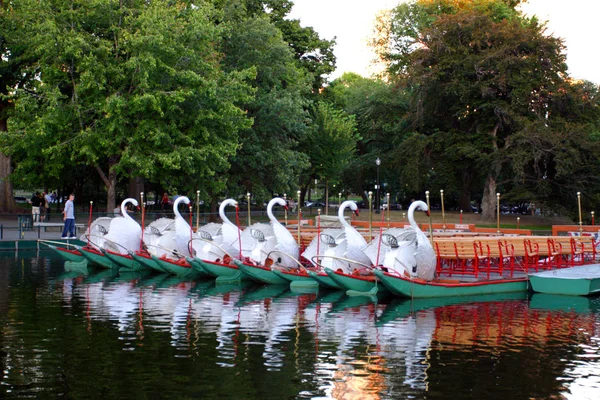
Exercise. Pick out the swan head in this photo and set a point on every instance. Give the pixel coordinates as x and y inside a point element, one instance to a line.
<point>181,199</point>
<point>278,201</point>
<point>421,205</point>
<point>130,200</point>
<point>354,208</point>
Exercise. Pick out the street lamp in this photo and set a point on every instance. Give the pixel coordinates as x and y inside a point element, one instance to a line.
<point>378,163</point>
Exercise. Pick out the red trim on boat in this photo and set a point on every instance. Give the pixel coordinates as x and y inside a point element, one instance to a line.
<point>460,284</point>
<point>75,252</point>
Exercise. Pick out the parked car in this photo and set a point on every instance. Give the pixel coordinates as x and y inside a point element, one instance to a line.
<point>314,204</point>
<point>20,199</point>
<point>393,206</point>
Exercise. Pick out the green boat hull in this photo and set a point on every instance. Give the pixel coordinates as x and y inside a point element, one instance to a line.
<point>95,257</point>
<point>217,270</point>
<point>570,287</point>
<point>583,280</point>
<point>358,284</point>
<point>197,266</point>
<point>420,289</point>
<point>148,262</point>
<point>260,274</point>
<point>125,261</point>
<point>293,276</point>
<point>324,280</point>
<point>186,272</point>
<point>67,254</point>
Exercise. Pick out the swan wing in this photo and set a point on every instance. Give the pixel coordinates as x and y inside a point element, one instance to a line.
<point>160,225</point>
<point>285,244</point>
<point>97,229</point>
<point>311,250</point>
<point>212,229</point>
<point>426,259</point>
<point>252,236</point>
<point>123,236</point>
<point>379,247</point>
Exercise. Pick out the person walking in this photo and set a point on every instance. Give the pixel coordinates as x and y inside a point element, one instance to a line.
<point>69,218</point>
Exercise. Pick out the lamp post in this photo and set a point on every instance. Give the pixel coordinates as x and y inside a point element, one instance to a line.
<point>429,210</point>
<point>593,218</point>
<point>370,214</point>
<point>298,193</point>
<point>378,163</point>
<point>443,213</point>
<point>197,209</point>
<point>248,200</point>
<point>580,219</point>
<point>285,209</point>
<point>389,207</point>
<point>498,213</point>
<point>339,200</point>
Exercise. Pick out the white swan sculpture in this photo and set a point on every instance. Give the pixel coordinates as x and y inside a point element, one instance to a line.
<point>183,231</point>
<point>407,251</point>
<point>259,239</point>
<point>286,245</point>
<point>338,244</point>
<point>214,241</point>
<point>124,233</point>
<point>167,239</point>
<point>355,242</point>
<point>124,229</point>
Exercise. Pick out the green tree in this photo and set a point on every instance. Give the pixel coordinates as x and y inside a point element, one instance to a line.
<point>380,110</point>
<point>132,88</point>
<point>481,73</point>
<point>332,144</point>
<point>269,158</point>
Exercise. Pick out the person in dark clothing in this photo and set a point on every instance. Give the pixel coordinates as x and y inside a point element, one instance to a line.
<point>36,202</point>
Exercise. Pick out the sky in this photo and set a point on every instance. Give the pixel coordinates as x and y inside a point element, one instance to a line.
<point>577,22</point>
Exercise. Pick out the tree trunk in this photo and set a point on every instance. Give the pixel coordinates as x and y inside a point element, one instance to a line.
<point>136,186</point>
<point>488,203</point>
<point>7,199</point>
<point>110,182</point>
<point>464,201</point>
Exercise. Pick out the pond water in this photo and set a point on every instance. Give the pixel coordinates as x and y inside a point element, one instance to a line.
<point>94,333</point>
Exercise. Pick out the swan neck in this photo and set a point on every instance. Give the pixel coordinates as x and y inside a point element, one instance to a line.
<point>124,209</point>
<point>341,215</point>
<point>222,212</point>
<point>411,215</point>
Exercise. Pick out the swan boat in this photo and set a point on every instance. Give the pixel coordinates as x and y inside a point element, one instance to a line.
<point>215,257</point>
<point>115,236</point>
<point>261,241</point>
<point>123,239</point>
<point>350,268</point>
<point>170,249</point>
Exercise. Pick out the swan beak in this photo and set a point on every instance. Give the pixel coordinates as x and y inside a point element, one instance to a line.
<point>428,213</point>
<point>356,213</point>
<point>286,208</point>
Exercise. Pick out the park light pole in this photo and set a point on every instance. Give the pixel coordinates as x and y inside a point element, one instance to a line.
<point>378,163</point>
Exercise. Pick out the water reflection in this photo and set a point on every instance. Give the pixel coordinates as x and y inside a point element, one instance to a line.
<point>183,337</point>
